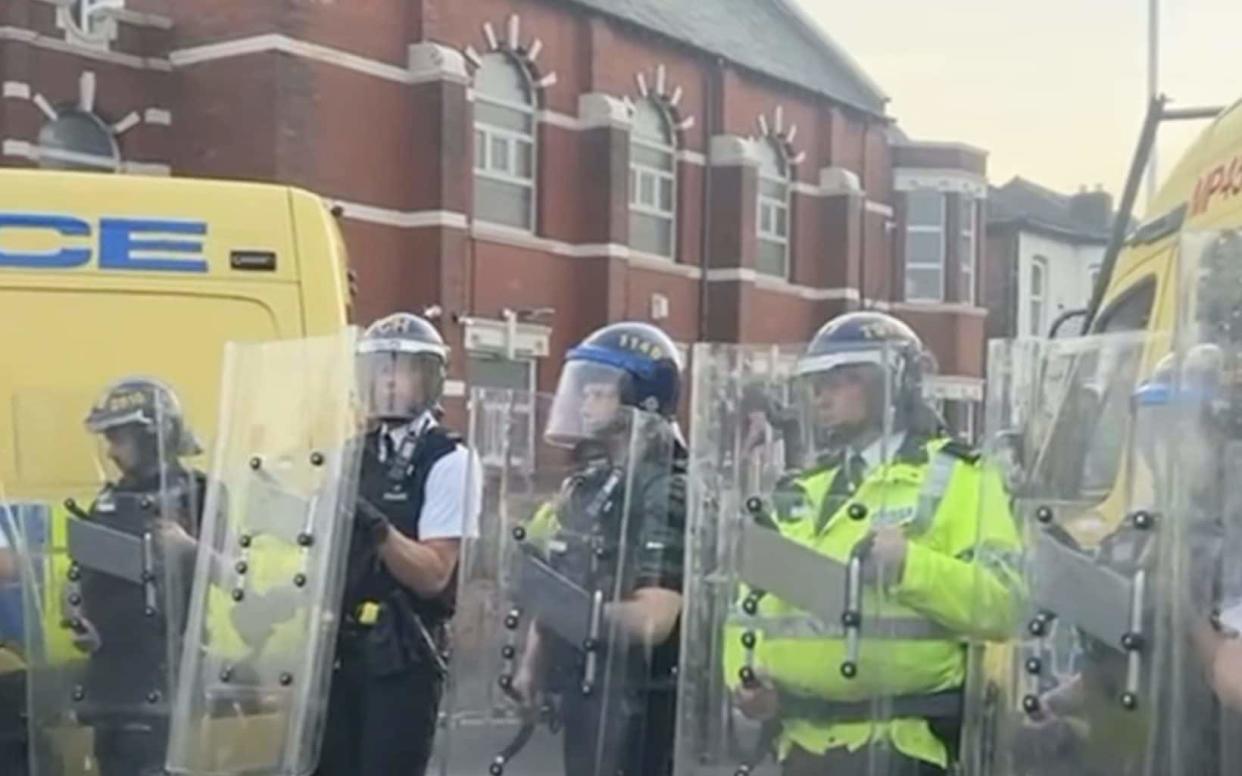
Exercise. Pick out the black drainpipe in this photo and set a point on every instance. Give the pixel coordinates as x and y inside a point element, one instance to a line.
<point>711,126</point>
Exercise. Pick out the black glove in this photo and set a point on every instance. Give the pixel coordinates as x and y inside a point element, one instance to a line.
<point>372,522</point>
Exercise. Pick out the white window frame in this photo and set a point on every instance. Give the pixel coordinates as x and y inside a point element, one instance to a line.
<point>968,264</point>
<point>939,263</point>
<point>770,206</point>
<point>511,138</point>
<point>1037,296</point>
<point>640,172</point>
<point>972,408</point>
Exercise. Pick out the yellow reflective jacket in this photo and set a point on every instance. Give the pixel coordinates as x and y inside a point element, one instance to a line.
<point>959,572</point>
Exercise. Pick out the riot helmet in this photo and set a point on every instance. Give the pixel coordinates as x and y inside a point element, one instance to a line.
<point>861,375</point>
<point>142,424</point>
<point>628,364</point>
<point>1175,416</point>
<point>403,364</point>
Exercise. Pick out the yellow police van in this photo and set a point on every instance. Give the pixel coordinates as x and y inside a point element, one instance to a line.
<point>103,276</point>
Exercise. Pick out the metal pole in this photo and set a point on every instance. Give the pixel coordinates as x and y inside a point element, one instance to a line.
<point>1134,179</point>
<point>1153,83</point>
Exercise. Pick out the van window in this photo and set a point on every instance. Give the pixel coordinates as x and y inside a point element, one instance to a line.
<point>1097,415</point>
<point>1130,313</point>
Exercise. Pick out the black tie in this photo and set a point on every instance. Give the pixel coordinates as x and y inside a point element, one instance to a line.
<point>855,470</point>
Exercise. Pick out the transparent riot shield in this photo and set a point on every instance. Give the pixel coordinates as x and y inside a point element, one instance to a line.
<point>1079,685</point>
<point>253,686</point>
<point>554,670</point>
<point>1204,448</point>
<point>22,526</point>
<point>809,633</point>
<point>105,527</point>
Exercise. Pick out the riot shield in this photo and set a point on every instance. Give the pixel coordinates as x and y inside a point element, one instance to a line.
<point>807,641</point>
<point>1078,686</point>
<point>253,686</point>
<point>1204,448</point>
<point>22,526</point>
<point>552,672</point>
<point>106,528</point>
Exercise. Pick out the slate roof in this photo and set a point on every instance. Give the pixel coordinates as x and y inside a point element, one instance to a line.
<point>772,37</point>
<point>1023,203</point>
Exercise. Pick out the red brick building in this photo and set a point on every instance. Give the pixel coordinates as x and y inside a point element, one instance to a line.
<point>532,169</point>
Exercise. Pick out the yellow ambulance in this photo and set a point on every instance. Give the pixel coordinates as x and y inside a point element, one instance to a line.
<point>1200,202</point>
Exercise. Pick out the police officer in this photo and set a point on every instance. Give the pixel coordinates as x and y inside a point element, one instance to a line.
<point>418,496</point>
<point>630,732</point>
<point>1201,435</point>
<point>125,690</point>
<point>890,486</point>
<point>1171,725</point>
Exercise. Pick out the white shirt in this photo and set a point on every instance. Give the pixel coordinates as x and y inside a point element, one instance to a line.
<point>453,496</point>
<point>882,450</point>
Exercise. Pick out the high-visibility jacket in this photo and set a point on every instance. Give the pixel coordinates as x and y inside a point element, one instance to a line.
<point>960,573</point>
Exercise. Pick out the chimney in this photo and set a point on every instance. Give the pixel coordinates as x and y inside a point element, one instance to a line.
<point>1092,209</point>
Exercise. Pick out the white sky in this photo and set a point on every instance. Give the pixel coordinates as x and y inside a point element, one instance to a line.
<point>1055,90</point>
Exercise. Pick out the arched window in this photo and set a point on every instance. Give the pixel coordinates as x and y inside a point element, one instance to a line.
<point>653,181</point>
<point>77,140</point>
<point>773,207</point>
<point>504,143</point>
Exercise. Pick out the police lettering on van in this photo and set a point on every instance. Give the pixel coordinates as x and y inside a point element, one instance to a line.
<point>133,244</point>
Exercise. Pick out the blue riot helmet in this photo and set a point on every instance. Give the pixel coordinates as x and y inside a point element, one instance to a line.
<point>1173,416</point>
<point>878,353</point>
<point>630,364</point>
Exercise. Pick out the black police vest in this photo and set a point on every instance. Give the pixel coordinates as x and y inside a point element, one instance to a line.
<point>591,520</point>
<point>590,527</point>
<point>400,496</point>
<point>130,668</point>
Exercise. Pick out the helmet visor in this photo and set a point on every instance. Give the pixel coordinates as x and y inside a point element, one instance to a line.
<point>128,450</point>
<point>590,403</point>
<point>399,385</point>
<point>843,397</point>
